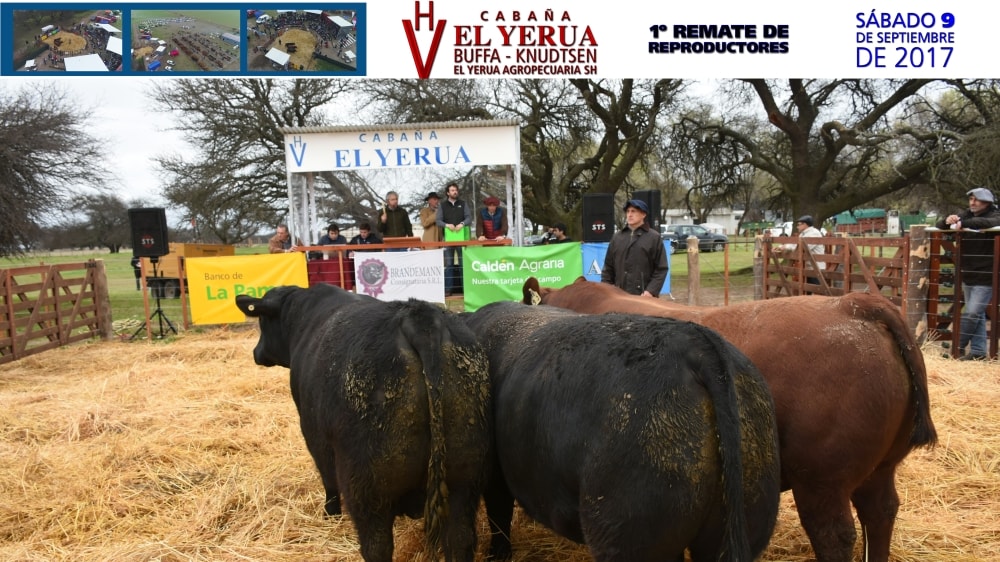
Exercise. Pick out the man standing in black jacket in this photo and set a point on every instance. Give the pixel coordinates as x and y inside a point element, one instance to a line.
<point>636,260</point>
<point>453,215</point>
<point>977,268</point>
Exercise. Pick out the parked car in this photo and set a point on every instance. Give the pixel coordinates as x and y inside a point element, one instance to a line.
<point>707,241</point>
<point>170,63</point>
<point>534,240</point>
<point>786,229</point>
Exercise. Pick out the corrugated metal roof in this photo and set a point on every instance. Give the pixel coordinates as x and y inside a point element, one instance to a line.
<point>396,126</point>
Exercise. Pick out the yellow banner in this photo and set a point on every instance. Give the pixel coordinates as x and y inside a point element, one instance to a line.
<point>213,283</point>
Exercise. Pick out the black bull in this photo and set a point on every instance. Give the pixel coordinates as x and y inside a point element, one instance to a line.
<point>639,437</point>
<point>393,402</point>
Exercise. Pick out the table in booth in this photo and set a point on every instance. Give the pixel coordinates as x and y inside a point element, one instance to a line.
<point>329,271</point>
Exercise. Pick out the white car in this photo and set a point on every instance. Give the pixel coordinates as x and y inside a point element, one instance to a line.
<point>170,63</point>
<point>786,229</point>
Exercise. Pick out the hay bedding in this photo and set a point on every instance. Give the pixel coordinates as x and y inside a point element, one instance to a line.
<point>185,450</point>
<point>71,42</point>
<point>305,43</point>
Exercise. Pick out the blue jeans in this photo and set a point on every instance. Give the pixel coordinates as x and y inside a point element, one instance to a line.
<point>977,298</point>
<point>452,268</point>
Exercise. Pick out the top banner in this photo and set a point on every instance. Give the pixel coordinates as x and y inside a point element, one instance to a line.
<point>510,39</point>
<point>686,40</point>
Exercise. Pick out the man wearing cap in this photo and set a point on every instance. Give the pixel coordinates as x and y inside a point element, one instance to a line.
<point>804,225</point>
<point>428,218</point>
<point>977,268</point>
<point>636,261</point>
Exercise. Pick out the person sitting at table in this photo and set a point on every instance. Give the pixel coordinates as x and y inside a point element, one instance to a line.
<point>365,236</point>
<point>333,237</point>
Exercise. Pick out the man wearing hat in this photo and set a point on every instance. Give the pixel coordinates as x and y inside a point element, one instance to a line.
<point>428,218</point>
<point>492,223</point>
<point>806,229</point>
<point>636,260</point>
<point>976,268</point>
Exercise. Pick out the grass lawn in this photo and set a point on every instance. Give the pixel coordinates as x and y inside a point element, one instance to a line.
<point>128,309</point>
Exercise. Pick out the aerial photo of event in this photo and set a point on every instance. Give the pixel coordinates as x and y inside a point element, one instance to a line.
<point>302,40</point>
<point>188,41</point>
<point>67,40</point>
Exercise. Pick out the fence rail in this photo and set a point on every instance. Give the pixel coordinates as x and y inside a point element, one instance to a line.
<point>875,265</point>
<point>48,306</point>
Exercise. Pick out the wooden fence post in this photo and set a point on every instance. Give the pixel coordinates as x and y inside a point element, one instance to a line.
<point>758,267</point>
<point>917,282</point>
<point>694,271</point>
<point>102,295</point>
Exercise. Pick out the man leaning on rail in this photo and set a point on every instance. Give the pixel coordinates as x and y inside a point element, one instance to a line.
<point>977,268</point>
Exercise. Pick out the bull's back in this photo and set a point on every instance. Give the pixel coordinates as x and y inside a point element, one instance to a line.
<point>843,391</point>
<point>616,423</point>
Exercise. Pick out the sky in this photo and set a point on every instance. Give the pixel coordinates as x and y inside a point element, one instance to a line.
<point>124,116</point>
<point>135,133</point>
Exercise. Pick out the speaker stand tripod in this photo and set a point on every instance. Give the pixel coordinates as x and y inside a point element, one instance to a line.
<point>158,313</point>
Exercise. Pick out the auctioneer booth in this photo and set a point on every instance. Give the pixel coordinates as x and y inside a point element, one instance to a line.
<point>459,144</point>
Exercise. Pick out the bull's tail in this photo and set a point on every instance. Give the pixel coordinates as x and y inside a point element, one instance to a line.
<point>719,380</point>
<point>425,331</point>
<point>883,311</point>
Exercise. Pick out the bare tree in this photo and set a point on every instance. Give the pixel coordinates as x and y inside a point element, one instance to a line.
<point>577,136</point>
<point>834,144</point>
<point>104,222</point>
<point>237,183</point>
<point>46,153</point>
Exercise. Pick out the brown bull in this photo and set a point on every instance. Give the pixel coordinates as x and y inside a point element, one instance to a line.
<point>850,395</point>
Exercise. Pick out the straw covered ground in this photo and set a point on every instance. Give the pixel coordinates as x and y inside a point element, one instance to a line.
<point>306,43</point>
<point>185,450</point>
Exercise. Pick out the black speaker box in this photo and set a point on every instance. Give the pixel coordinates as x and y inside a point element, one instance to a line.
<point>652,198</point>
<point>598,217</point>
<point>149,232</point>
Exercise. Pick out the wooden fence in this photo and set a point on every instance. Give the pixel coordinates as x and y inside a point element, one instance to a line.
<point>920,273</point>
<point>47,306</point>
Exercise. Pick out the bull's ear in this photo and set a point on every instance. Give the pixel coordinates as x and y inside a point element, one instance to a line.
<point>250,306</point>
<point>581,279</point>
<point>530,291</point>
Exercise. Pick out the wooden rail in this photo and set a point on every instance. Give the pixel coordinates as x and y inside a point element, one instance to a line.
<point>48,306</point>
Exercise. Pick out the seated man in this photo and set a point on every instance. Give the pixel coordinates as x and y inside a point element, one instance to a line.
<point>333,237</point>
<point>365,236</point>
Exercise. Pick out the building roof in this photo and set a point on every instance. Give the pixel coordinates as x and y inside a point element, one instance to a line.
<point>277,56</point>
<point>85,63</point>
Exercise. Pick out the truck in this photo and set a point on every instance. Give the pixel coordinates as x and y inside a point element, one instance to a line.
<point>167,283</point>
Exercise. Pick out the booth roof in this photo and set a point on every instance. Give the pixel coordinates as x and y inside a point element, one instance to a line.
<point>85,63</point>
<point>397,126</point>
<point>277,56</point>
<point>115,45</point>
